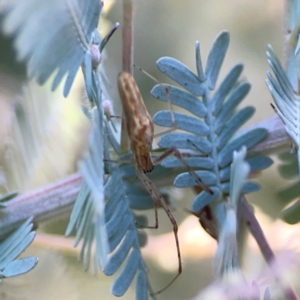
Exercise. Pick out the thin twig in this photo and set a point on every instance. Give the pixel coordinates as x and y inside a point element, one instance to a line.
<point>127,37</point>
<point>127,59</point>
<point>257,231</point>
<point>263,244</point>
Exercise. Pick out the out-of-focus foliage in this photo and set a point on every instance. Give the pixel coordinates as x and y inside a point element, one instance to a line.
<point>11,247</point>
<point>289,194</point>
<point>34,115</point>
<point>52,35</point>
<point>286,100</point>
<point>7,197</point>
<point>287,107</point>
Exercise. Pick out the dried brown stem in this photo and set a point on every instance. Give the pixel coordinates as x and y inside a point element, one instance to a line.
<point>263,244</point>
<point>127,37</point>
<point>127,59</point>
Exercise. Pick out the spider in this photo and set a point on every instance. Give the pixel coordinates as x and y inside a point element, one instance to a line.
<point>140,131</point>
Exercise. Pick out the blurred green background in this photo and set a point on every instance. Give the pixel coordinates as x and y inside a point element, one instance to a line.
<point>162,28</point>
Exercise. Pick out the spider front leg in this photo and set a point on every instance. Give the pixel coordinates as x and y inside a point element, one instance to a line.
<point>174,151</point>
<point>158,199</point>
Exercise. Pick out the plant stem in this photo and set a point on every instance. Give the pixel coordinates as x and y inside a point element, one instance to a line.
<point>127,37</point>
<point>276,141</point>
<point>257,231</point>
<point>58,198</point>
<point>127,59</point>
<point>45,203</point>
<point>263,244</point>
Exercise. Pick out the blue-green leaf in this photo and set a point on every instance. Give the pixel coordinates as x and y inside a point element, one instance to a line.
<point>204,199</point>
<point>279,72</point>
<point>23,230</point>
<point>12,246</point>
<point>186,179</point>
<point>141,286</point>
<point>78,208</point>
<point>184,122</point>
<point>236,121</point>
<point>20,266</point>
<point>181,74</point>
<point>212,151</point>
<point>206,163</point>
<point>124,225</point>
<point>180,98</point>
<point>215,58</point>
<point>257,163</point>
<point>286,100</point>
<point>185,141</point>
<point>122,282</point>
<point>9,196</point>
<point>225,87</point>
<point>248,139</point>
<point>249,187</point>
<point>112,226</point>
<point>119,256</point>
<point>200,71</point>
<point>234,99</point>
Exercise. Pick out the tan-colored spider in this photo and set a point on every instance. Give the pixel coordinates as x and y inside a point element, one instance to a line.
<point>140,130</point>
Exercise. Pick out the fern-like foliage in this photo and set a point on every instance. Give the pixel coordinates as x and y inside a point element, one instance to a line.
<point>88,212</point>
<point>12,246</point>
<point>211,131</point>
<point>230,282</point>
<point>67,45</point>
<point>286,100</point>
<point>287,106</point>
<point>289,194</point>
<point>52,35</point>
<point>226,260</point>
<point>212,127</point>
<point>34,115</point>
<point>102,215</point>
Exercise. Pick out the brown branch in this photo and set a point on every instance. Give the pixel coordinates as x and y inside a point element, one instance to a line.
<point>127,37</point>
<point>276,141</point>
<point>58,198</point>
<point>262,243</point>
<point>127,59</point>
